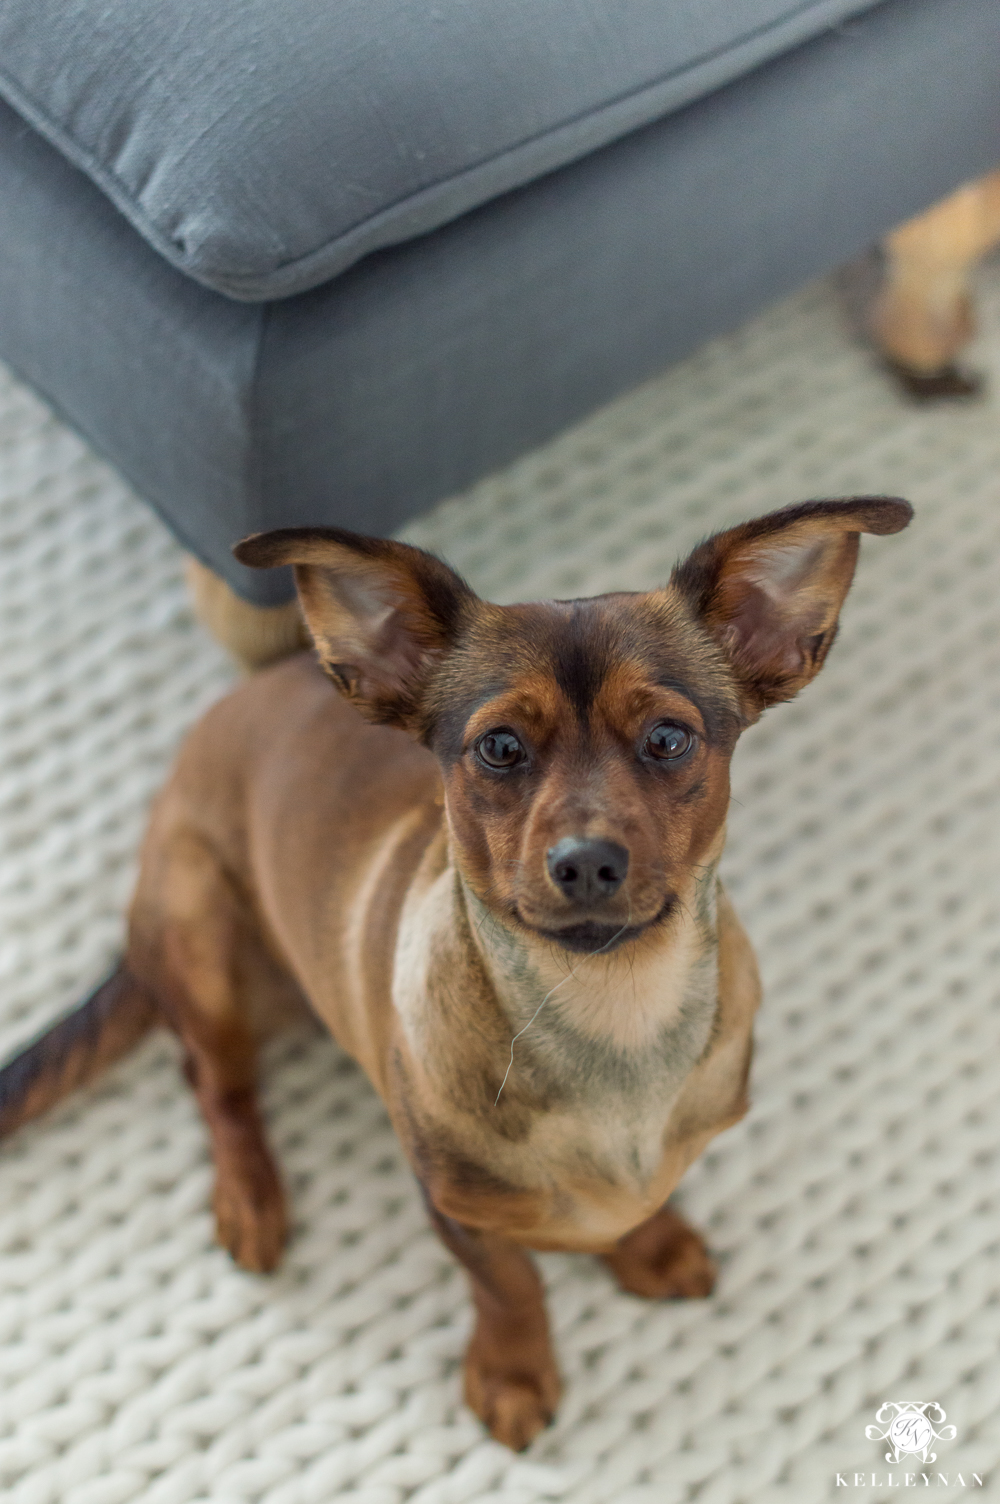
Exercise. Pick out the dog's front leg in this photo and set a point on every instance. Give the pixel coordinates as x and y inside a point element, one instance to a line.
<point>511,1379</point>
<point>662,1259</point>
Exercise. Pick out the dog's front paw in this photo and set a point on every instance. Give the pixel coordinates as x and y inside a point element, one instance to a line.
<point>250,1218</point>
<point>663,1259</point>
<point>514,1392</point>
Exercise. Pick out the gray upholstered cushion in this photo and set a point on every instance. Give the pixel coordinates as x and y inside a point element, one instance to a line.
<point>363,402</point>
<point>263,146</point>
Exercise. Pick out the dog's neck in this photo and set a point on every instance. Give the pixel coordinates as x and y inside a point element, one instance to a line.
<point>620,1000</point>
<point>620,1030</point>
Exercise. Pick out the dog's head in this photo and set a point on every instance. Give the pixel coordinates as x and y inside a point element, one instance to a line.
<point>584,745</point>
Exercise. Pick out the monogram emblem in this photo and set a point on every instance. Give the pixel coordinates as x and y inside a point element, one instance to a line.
<point>909,1431</point>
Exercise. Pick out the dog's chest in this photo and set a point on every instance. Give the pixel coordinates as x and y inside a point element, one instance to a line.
<point>598,1157</point>
<point>617,1094</point>
<point>566,1090</point>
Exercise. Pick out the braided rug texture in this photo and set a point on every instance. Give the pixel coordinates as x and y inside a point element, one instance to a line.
<point>855,1213</point>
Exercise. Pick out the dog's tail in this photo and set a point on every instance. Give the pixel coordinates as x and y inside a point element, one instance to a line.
<point>75,1049</point>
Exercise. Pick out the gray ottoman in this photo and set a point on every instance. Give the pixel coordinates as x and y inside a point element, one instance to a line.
<point>294,263</point>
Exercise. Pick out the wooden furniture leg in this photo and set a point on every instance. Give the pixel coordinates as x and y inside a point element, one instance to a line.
<point>254,635</point>
<point>923,315</point>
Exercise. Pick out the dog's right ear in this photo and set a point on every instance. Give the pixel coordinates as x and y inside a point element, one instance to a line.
<point>382,614</point>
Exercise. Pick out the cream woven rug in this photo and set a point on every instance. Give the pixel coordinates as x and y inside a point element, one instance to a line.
<point>855,1212</point>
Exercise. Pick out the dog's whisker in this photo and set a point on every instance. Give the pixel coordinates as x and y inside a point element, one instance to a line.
<point>567,978</point>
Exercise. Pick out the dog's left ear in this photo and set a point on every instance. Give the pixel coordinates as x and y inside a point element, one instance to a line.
<point>770,591</point>
<point>382,614</point>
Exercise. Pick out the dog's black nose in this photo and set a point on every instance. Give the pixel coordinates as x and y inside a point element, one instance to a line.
<point>587,871</point>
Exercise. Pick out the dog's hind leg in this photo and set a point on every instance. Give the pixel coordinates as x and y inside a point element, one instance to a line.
<point>192,945</point>
<point>662,1259</point>
<point>511,1379</point>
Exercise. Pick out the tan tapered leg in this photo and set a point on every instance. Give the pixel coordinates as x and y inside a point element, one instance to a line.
<point>253,635</point>
<point>923,316</point>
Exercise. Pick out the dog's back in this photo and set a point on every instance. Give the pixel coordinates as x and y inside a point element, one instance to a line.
<point>314,821</point>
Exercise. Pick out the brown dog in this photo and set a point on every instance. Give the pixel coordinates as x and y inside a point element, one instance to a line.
<point>497,887</point>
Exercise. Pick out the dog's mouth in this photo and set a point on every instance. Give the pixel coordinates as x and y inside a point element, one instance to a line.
<point>594,938</point>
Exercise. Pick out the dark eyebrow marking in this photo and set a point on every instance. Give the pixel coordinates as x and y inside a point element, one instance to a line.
<point>678,687</point>
<point>713,698</point>
<point>453,713</point>
<point>715,712</point>
<point>693,697</point>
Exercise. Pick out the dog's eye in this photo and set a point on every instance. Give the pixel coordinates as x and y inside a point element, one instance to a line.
<point>666,742</point>
<point>500,749</point>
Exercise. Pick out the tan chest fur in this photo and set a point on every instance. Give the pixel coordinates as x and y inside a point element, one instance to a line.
<point>548,1096</point>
